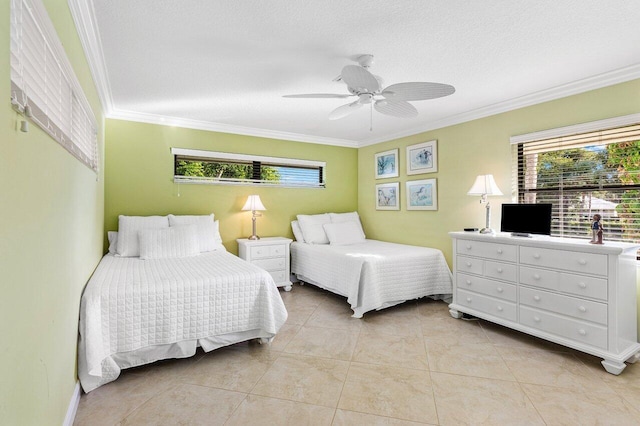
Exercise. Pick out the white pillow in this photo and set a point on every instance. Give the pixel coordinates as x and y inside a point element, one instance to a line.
<point>112,236</point>
<point>344,233</point>
<point>297,232</point>
<point>130,226</point>
<point>347,217</point>
<point>312,230</point>
<point>174,242</point>
<point>206,229</point>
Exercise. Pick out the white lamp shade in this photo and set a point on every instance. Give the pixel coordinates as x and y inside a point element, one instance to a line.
<point>484,185</point>
<point>253,203</point>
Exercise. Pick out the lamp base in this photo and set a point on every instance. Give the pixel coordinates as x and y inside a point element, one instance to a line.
<point>487,231</point>
<point>253,237</point>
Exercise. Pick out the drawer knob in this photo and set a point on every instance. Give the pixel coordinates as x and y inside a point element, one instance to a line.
<point>536,256</point>
<point>468,282</point>
<point>468,264</point>
<point>500,309</point>
<point>469,299</point>
<point>582,332</point>
<point>468,246</point>
<point>582,285</point>
<point>536,319</point>
<point>582,262</point>
<point>499,289</point>
<point>499,270</point>
<point>536,277</point>
<point>536,298</point>
<point>582,309</point>
<point>499,251</point>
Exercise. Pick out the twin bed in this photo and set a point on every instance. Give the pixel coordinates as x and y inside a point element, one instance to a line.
<point>168,286</point>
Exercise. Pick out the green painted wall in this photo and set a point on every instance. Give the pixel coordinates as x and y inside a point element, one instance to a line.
<point>51,210</point>
<point>139,179</point>
<point>470,149</point>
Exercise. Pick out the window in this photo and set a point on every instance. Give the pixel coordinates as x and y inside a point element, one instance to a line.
<point>193,166</point>
<point>583,170</point>
<point>44,86</point>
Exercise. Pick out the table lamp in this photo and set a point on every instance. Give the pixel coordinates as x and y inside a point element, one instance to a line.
<point>483,186</point>
<point>254,204</point>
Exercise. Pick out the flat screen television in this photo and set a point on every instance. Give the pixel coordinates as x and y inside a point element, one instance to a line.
<point>525,219</point>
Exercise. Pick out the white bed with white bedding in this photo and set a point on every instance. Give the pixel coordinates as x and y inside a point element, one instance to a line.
<point>371,274</point>
<point>163,304</point>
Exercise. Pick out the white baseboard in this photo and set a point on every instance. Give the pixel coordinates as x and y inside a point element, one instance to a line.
<point>73,406</point>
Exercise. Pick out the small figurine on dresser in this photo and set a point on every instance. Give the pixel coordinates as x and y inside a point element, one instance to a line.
<point>596,230</point>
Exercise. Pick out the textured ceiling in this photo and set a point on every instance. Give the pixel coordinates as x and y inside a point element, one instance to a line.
<point>225,65</point>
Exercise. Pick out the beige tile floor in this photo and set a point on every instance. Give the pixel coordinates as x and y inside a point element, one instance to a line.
<point>406,365</point>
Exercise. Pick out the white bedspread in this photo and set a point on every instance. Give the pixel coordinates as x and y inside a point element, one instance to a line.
<point>138,311</point>
<point>374,274</point>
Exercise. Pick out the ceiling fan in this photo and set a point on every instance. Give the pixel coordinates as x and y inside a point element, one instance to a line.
<point>391,100</point>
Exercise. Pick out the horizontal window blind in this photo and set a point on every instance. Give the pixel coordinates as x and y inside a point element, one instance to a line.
<point>195,166</point>
<point>43,84</point>
<point>595,172</point>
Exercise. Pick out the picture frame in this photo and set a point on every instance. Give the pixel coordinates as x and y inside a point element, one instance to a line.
<point>422,194</point>
<point>388,196</point>
<point>386,164</point>
<point>422,158</point>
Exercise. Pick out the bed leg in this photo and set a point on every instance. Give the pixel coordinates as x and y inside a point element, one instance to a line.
<point>264,341</point>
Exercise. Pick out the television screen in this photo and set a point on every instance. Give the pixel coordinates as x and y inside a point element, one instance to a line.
<point>525,219</point>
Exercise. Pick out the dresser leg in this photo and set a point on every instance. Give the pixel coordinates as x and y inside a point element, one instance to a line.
<point>634,358</point>
<point>455,314</point>
<point>613,367</point>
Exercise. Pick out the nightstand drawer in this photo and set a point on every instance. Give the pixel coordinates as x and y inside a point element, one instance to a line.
<point>469,264</point>
<point>261,252</point>
<point>278,276</point>
<point>271,264</point>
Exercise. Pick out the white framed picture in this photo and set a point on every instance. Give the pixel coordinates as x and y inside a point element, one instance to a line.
<point>388,196</point>
<point>386,164</point>
<point>422,158</point>
<point>422,194</point>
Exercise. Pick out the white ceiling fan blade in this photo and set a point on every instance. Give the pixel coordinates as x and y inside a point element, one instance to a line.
<point>400,109</point>
<point>360,79</point>
<point>418,91</point>
<point>317,95</point>
<point>344,110</point>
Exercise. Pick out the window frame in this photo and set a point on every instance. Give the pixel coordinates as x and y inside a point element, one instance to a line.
<point>565,138</point>
<point>179,154</point>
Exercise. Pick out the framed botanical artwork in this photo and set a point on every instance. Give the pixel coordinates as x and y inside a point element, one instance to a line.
<point>422,195</point>
<point>422,158</point>
<point>387,164</point>
<point>388,196</point>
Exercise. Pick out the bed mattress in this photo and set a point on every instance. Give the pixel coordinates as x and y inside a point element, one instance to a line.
<point>374,274</point>
<point>136,311</point>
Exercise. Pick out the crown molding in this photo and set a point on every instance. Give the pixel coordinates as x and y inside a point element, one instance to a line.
<point>591,83</point>
<point>84,18</point>
<point>227,128</point>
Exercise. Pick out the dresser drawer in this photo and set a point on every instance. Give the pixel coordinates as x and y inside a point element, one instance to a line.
<point>565,305</point>
<point>261,252</point>
<point>502,271</point>
<point>541,278</point>
<point>487,287</point>
<point>470,265</point>
<point>495,251</point>
<point>271,264</point>
<point>586,263</point>
<point>581,285</point>
<point>489,305</point>
<point>591,334</point>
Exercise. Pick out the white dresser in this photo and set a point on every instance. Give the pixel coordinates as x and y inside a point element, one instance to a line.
<point>567,291</point>
<point>271,254</point>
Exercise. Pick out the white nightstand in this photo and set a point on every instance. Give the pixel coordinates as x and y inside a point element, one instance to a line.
<point>271,254</point>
